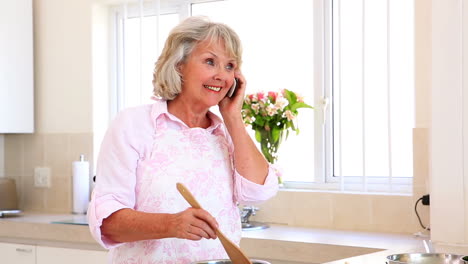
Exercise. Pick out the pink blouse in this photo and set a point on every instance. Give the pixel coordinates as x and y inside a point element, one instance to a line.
<point>145,151</point>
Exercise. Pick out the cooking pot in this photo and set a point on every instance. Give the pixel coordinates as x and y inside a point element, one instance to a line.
<point>424,258</point>
<point>8,199</point>
<point>228,261</point>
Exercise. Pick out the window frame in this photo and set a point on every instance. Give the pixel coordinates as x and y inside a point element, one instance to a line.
<point>323,140</point>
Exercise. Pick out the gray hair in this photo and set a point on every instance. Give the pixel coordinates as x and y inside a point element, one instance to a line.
<point>167,81</point>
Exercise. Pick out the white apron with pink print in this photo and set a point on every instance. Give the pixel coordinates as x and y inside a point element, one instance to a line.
<point>185,156</point>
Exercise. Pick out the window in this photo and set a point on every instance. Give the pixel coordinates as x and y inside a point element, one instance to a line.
<point>373,94</point>
<point>351,60</point>
<point>139,38</point>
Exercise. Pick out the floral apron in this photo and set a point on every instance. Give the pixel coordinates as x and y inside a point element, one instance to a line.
<point>198,158</point>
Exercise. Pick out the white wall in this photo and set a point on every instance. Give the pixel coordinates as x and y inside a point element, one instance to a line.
<point>449,181</point>
<point>101,82</point>
<point>422,61</point>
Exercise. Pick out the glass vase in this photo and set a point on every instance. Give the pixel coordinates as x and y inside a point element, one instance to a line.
<point>269,145</point>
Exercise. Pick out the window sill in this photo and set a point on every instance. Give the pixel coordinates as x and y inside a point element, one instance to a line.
<point>337,191</point>
<point>400,187</point>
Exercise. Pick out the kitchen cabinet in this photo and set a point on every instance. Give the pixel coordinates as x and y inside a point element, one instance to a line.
<point>16,67</point>
<point>53,255</point>
<point>31,254</point>
<point>17,253</point>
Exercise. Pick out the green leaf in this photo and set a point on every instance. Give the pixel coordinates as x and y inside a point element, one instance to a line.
<point>258,136</point>
<point>291,96</point>
<point>275,133</point>
<point>292,126</point>
<point>300,105</point>
<point>259,121</point>
<point>287,95</point>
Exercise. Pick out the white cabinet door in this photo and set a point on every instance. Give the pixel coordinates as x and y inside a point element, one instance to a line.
<point>53,255</point>
<point>16,67</point>
<point>17,254</point>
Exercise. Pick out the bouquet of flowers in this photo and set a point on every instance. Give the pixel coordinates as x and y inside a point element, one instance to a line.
<point>271,115</point>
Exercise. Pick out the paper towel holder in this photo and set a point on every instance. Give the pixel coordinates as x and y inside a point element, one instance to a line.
<point>80,185</point>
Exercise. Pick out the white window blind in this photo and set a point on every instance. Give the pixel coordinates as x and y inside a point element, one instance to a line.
<point>140,32</point>
<point>373,95</point>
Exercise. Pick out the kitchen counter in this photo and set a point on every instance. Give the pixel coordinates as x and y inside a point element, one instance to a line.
<point>279,244</point>
<point>37,229</point>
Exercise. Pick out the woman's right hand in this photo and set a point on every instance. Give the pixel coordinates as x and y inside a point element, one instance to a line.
<point>192,224</point>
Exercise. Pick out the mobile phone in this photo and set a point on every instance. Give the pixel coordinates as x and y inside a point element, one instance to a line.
<point>233,88</point>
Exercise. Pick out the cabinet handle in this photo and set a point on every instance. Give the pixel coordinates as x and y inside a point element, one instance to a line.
<point>24,250</point>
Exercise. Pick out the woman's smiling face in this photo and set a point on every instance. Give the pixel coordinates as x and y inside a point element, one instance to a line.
<point>207,73</point>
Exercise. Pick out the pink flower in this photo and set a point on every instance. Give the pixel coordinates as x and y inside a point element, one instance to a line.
<point>273,95</point>
<point>260,95</point>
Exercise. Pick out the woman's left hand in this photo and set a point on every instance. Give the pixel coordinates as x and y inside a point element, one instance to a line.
<point>231,106</point>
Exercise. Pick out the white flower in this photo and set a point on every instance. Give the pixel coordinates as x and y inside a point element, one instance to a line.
<point>262,103</point>
<point>271,110</point>
<point>254,98</point>
<point>248,120</point>
<point>255,107</point>
<point>289,115</point>
<point>300,98</point>
<point>281,102</point>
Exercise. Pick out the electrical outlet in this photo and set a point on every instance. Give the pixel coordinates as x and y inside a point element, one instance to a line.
<point>42,177</point>
<point>426,199</point>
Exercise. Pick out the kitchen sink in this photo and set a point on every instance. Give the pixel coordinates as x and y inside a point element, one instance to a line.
<point>9,212</point>
<point>252,225</point>
<point>74,220</point>
<point>248,225</point>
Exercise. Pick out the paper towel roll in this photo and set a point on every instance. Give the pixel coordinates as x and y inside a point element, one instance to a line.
<point>80,186</point>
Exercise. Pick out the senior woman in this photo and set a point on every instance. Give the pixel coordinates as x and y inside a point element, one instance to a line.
<point>135,210</point>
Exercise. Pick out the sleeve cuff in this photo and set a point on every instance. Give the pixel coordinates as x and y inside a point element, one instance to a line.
<point>252,193</point>
<point>97,213</point>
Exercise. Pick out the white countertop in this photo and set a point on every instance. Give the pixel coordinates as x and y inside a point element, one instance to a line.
<point>280,244</point>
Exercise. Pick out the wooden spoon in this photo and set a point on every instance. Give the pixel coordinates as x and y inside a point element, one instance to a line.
<point>234,252</point>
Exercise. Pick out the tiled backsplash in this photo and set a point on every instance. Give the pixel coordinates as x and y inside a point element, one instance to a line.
<point>334,210</point>
<point>344,211</point>
<point>2,155</point>
<point>56,151</point>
